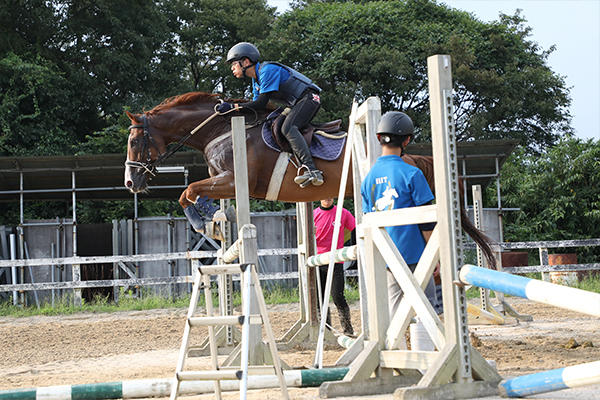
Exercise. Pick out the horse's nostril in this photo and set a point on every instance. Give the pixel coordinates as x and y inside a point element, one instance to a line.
<point>129,184</point>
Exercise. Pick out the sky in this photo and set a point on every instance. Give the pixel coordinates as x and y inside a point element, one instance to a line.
<point>573,26</point>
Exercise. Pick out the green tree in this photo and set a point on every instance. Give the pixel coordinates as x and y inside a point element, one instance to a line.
<point>206,29</point>
<point>558,193</point>
<point>35,108</point>
<point>503,86</point>
<point>69,66</point>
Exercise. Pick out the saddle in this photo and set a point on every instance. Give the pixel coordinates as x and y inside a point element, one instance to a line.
<point>331,128</point>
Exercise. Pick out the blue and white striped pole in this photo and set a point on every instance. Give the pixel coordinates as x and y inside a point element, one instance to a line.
<point>543,292</point>
<point>549,381</point>
<point>145,388</point>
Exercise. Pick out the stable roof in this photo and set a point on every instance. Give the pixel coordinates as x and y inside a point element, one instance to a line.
<point>100,177</point>
<point>97,177</point>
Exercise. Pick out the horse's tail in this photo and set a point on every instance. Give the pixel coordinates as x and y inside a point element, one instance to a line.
<point>479,237</point>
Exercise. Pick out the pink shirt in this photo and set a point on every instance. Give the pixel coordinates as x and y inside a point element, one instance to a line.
<point>324,220</point>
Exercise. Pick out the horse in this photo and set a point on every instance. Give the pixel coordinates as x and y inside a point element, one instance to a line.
<point>177,119</point>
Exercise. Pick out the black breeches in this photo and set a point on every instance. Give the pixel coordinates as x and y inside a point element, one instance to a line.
<point>300,115</point>
<point>337,284</point>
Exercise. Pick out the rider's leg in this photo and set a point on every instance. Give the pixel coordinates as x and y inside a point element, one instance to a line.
<point>300,115</point>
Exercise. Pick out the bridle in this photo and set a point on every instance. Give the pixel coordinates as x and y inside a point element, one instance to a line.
<point>148,142</point>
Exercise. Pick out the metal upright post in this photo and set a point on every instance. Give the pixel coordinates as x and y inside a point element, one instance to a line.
<point>170,263</point>
<point>76,267</point>
<point>136,238</point>
<point>21,233</point>
<point>13,270</point>
<point>477,211</point>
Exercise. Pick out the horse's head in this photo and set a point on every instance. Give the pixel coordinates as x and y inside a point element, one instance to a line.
<point>144,148</point>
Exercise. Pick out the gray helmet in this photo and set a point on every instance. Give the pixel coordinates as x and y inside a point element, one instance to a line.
<point>241,50</point>
<point>395,123</point>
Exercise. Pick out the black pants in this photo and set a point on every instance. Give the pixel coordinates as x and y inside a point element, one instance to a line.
<point>299,117</point>
<point>337,284</point>
<point>337,292</point>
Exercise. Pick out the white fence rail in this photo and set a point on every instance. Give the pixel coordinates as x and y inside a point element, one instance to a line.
<point>542,246</point>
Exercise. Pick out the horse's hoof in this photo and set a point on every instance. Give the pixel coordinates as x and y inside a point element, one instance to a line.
<point>231,214</point>
<point>213,231</point>
<point>225,216</point>
<point>219,216</point>
<point>194,218</point>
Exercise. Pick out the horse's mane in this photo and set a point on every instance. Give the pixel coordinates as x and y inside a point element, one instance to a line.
<point>183,99</point>
<point>192,98</point>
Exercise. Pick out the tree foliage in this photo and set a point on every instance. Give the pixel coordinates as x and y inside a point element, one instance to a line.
<point>207,29</point>
<point>558,193</point>
<point>69,68</point>
<point>503,86</point>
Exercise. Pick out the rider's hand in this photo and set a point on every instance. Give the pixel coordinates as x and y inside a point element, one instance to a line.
<point>224,107</point>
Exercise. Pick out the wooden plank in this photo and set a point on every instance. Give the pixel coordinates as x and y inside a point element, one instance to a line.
<point>376,283</point>
<point>96,283</point>
<point>402,216</point>
<point>36,262</point>
<point>240,165</point>
<point>187,255</point>
<point>405,359</point>
<point>443,367</point>
<point>365,363</point>
<point>405,278</point>
<point>405,312</point>
<point>467,390</point>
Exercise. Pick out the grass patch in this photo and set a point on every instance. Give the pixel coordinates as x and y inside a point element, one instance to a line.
<point>64,305</point>
<point>590,283</point>
<point>151,301</point>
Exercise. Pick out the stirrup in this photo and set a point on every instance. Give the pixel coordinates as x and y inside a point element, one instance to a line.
<point>310,176</point>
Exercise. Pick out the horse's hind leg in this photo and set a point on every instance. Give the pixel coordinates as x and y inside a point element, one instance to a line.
<point>217,187</point>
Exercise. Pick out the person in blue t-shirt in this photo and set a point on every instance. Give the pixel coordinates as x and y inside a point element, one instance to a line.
<point>391,184</point>
<point>284,85</point>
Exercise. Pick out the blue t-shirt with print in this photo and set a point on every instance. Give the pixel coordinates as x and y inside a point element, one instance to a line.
<point>270,76</point>
<point>393,184</point>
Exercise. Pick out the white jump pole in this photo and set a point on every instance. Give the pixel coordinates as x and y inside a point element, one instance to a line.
<point>542,292</point>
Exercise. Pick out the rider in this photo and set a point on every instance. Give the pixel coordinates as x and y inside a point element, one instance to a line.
<point>278,82</point>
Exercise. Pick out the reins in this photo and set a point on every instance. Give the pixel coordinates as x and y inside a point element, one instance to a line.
<point>150,166</point>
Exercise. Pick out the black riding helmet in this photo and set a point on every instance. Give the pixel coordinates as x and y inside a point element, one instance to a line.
<point>395,123</point>
<point>241,50</point>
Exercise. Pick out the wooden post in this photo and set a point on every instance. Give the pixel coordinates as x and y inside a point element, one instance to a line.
<point>247,232</point>
<point>448,202</point>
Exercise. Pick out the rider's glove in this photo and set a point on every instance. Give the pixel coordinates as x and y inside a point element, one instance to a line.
<point>224,107</point>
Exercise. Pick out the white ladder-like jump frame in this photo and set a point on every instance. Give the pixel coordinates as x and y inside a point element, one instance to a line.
<point>456,370</point>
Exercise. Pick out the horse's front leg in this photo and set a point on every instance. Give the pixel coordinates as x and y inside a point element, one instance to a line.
<point>221,186</point>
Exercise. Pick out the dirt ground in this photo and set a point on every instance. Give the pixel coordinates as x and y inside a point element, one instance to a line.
<point>92,348</point>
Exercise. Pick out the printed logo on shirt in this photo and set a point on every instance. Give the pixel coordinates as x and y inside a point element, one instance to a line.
<point>386,201</point>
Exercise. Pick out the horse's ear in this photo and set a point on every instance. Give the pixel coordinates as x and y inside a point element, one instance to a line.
<point>132,117</point>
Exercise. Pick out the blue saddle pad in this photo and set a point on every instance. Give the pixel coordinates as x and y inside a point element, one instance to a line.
<point>320,147</point>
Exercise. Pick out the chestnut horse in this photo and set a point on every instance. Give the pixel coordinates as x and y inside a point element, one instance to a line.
<point>173,120</point>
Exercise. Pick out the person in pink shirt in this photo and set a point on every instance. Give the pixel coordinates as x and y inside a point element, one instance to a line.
<point>324,217</point>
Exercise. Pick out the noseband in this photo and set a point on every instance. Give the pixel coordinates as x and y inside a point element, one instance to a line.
<point>149,166</point>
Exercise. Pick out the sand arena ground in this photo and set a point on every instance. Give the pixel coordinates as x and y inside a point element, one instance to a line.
<point>91,348</point>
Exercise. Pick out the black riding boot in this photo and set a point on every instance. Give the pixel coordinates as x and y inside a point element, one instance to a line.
<point>344,313</point>
<point>301,150</point>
